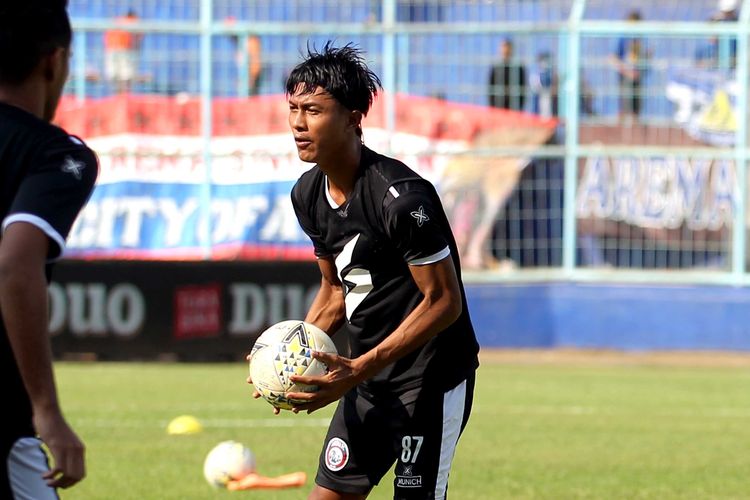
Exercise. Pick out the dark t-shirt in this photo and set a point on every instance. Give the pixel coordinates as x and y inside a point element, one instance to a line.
<point>507,87</point>
<point>392,219</point>
<point>46,176</point>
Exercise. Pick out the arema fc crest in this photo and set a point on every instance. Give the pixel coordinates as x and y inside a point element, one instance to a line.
<point>337,454</point>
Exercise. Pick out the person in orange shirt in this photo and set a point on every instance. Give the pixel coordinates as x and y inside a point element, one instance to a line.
<point>256,65</point>
<point>252,50</point>
<point>120,53</point>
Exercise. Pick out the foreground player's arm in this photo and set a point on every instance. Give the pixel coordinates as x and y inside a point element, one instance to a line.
<point>327,311</point>
<point>23,300</point>
<point>440,307</point>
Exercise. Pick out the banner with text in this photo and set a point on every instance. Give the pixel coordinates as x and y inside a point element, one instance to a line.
<point>705,104</point>
<point>155,198</point>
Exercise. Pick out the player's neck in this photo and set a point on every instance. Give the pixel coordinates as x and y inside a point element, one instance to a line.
<point>343,173</point>
<point>25,97</point>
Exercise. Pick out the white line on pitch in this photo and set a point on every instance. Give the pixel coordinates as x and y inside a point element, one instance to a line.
<point>136,423</point>
<point>590,410</point>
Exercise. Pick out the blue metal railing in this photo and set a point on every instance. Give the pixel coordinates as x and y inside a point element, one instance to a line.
<point>396,34</point>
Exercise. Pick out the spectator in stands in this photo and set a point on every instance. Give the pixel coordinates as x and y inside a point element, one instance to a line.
<point>254,65</point>
<point>121,53</point>
<point>727,11</point>
<point>710,55</point>
<point>586,101</point>
<point>507,83</point>
<point>543,85</point>
<point>630,62</point>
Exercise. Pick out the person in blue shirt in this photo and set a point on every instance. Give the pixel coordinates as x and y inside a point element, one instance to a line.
<point>543,83</point>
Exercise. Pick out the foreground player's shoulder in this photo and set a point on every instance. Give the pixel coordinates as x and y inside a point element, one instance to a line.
<point>413,201</point>
<point>306,187</point>
<point>383,172</point>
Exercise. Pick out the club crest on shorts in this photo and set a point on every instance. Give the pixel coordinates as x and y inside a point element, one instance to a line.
<point>337,454</point>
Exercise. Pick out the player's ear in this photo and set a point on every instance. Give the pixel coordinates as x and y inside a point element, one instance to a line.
<point>355,119</point>
<point>55,65</point>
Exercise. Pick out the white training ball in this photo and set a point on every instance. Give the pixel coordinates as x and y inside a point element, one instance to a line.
<point>273,334</point>
<point>286,352</point>
<point>227,461</point>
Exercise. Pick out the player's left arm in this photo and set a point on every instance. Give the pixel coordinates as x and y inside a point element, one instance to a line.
<point>440,308</point>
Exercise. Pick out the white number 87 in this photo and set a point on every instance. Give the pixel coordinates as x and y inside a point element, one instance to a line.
<point>406,445</point>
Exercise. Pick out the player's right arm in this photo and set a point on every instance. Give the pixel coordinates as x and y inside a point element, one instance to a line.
<point>328,309</point>
<point>23,300</point>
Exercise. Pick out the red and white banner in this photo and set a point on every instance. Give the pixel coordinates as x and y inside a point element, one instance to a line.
<point>155,199</point>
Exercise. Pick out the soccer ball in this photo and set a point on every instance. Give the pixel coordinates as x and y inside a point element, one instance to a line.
<point>273,334</point>
<point>227,461</point>
<point>286,349</point>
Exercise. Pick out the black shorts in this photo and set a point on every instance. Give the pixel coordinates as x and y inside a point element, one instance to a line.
<point>418,430</point>
<point>630,96</point>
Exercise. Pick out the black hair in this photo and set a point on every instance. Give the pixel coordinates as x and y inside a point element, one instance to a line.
<point>634,15</point>
<point>340,71</point>
<point>29,31</point>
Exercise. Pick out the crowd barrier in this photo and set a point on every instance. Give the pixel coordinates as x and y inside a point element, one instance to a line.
<point>213,311</point>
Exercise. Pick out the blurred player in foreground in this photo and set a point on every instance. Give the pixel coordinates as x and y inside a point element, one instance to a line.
<point>46,176</point>
<point>391,281</point>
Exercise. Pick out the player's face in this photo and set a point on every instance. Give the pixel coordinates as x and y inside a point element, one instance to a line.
<point>320,124</point>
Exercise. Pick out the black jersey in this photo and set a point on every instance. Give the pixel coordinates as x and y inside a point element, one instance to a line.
<point>46,176</point>
<point>392,219</point>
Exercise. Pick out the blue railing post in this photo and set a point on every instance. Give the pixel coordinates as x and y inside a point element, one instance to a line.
<point>389,69</point>
<point>572,99</point>
<point>739,243</point>
<point>79,49</point>
<point>206,34</point>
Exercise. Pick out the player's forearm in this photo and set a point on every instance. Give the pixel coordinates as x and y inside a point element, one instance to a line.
<point>23,299</point>
<point>327,311</point>
<point>433,315</point>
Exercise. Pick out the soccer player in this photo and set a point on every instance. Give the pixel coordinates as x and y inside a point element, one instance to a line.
<point>46,176</point>
<point>391,281</point>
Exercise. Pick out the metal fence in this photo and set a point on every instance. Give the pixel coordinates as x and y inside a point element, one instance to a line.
<point>643,179</point>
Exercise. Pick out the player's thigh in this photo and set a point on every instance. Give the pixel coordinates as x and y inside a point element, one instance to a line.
<point>25,463</point>
<point>428,443</point>
<point>358,450</point>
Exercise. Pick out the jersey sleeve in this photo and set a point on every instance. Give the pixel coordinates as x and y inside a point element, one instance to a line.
<point>302,211</point>
<point>412,218</point>
<point>55,188</point>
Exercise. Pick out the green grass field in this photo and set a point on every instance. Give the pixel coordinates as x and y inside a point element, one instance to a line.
<point>557,431</point>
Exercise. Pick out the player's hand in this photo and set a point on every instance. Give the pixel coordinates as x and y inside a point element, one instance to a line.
<point>66,448</point>
<point>343,374</point>
<point>256,394</point>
